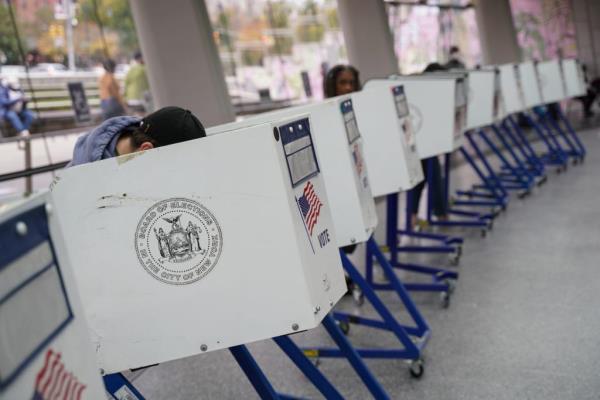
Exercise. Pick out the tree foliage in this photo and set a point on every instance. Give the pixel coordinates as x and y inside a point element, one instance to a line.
<point>310,28</point>
<point>9,46</point>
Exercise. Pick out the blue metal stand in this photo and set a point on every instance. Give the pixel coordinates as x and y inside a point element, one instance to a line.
<point>576,150</point>
<point>411,349</point>
<point>473,219</point>
<point>253,372</point>
<point>118,386</point>
<point>579,143</point>
<point>533,158</point>
<point>556,154</point>
<point>492,187</point>
<point>514,177</point>
<point>451,245</point>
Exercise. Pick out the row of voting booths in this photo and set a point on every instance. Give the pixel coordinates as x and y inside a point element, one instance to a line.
<point>239,237</point>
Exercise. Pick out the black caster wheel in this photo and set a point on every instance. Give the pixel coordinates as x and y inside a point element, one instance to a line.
<point>451,285</point>
<point>454,259</point>
<point>358,296</point>
<point>491,226</point>
<point>417,368</point>
<point>445,299</point>
<point>459,250</point>
<point>484,232</point>
<point>344,327</point>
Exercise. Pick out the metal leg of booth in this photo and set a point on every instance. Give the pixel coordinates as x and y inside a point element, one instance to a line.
<point>517,183</point>
<point>473,220</point>
<point>119,387</point>
<point>253,372</point>
<point>491,182</point>
<point>559,156</point>
<point>553,156</point>
<point>412,338</point>
<point>573,134</point>
<point>442,280</point>
<point>574,151</point>
<point>298,357</point>
<point>530,160</point>
<point>451,245</point>
<point>534,158</point>
<point>525,174</point>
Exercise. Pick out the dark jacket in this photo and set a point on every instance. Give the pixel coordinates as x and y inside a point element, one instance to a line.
<point>101,142</point>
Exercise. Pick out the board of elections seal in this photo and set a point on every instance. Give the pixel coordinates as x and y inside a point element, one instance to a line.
<point>178,241</point>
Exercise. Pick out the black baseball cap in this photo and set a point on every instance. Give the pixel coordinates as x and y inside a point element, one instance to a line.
<point>171,125</point>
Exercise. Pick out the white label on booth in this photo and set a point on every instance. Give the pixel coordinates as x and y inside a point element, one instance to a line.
<point>402,111</point>
<point>352,131</point>
<point>356,149</point>
<point>299,151</point>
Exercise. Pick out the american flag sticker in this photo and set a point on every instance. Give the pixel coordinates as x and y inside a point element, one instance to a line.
<point>310,206</point>
<point>54,382</point>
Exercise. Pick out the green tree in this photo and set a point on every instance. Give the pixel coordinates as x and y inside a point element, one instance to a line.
<point>115,16</point>
<point>9,46</point>
<point>310,28</point>
<point>278,16</point>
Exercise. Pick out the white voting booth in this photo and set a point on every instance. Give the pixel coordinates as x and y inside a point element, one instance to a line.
<point>201,245</point>
<point>339,148</point>
<point>512,91</point>
<point>574,78</point>
<point>389,139</point>
<point>532,95</point>
<point>45,347</point>
<point>483,100</point>
<point>437,105</point>
<point>551,81</point>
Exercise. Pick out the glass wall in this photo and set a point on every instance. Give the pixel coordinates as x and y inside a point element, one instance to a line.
<point>276,50</point>
<point>545,28</point>
<point>424,34</point>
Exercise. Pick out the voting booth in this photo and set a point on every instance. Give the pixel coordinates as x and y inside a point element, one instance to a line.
<point>390,141</point>
<point>191,247</point>
<point>484,100</point>
<point>45,347</point>
<point>512,91</point>
<point>574,78</point>
<point>532,95</point>
<point>437,106</point>
<point>338,144</point>
<point>551,81</point>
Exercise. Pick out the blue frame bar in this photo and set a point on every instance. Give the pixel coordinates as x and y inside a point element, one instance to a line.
<point>115,382</point>
<point>253,372</point>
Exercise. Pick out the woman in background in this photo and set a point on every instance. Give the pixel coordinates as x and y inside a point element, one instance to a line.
<point>111,102</point>
<point>340,80</point>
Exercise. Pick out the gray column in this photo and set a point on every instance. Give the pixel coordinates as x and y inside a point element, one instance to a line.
<point>497,33</point>
<point>183,65</point>
<point>586,18</point>
<point>368,37</point>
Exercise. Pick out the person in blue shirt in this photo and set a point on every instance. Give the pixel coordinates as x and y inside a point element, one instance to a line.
<point>118,136</point>
<point>13,109</point>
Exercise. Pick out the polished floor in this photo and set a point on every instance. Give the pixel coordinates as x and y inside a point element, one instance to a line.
<point>524,321</point>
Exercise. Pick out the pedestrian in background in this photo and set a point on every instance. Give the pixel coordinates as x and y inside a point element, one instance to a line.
<point>111,102</point>
<point>136,82</point>
<point>13,108</point>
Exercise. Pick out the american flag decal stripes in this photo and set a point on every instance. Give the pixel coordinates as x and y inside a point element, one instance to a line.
<point>53,382</point>
<point>310,205</point>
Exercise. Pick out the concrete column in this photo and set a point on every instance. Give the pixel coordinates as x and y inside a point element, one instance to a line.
<point>586,18</point>
<point>497,32</point>
<point>183,65</point>
<point>368,37</point>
